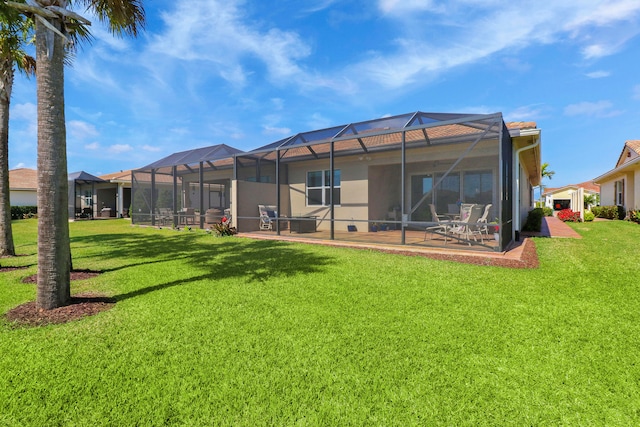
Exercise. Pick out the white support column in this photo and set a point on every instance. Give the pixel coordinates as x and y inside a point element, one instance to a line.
<point>120,201</point>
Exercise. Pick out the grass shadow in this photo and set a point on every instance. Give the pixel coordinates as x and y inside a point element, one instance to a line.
<point>251,260</point>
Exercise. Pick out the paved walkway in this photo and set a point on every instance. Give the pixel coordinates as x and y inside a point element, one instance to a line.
<point>553,227</point>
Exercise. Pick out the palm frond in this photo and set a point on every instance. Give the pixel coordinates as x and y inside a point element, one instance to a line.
<point>122,16</point>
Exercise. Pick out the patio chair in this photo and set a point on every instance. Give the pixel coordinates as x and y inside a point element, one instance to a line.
<point>187,216</point>
<point>468,228</point>
<point>268,215</point>
<point>484,228</point>
<point>439,228</point>
<point>465,210</point>
<point>164,215</point>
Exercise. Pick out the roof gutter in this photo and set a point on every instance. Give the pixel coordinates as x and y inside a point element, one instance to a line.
<point>516,199</point>
<point>613,172</point>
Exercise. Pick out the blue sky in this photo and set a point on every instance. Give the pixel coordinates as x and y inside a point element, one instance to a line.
<point>247,73</point>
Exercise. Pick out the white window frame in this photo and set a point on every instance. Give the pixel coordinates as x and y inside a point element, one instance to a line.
<point>619,192</point>
<point>325,187</point>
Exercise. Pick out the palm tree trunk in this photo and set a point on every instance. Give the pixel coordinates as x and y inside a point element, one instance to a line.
<point>6,83</point>
<point>53,224</point>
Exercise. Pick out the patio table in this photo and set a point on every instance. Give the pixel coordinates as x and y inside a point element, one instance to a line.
<point>302,224</point>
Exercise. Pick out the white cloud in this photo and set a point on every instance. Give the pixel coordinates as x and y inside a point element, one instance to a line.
<point>278,103</point>
<point>636,92</point>
<point>81,130</point>
<point>594,51</point>
<point>516,64</point>
<point>477,109</point>
<point>407,6</point>
<point>92,146</point>
<point>478,30</point>
<point>272,130</point>
<point>219,34</point>
<point>318,121</point>
<point>525,113</point>
<point>151,148</point>
<point>26,111</point>
<point>591,109</point>
<point>320,5</point>
<point>120,148</point>
<point>598,74</point>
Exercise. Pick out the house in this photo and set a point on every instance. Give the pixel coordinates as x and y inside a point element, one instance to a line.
<point>570,196</point>
<point>23,187</point>
<point>621,185</point>
<point>384,171</point>
<point>106,196</point>
<point>118,197</point>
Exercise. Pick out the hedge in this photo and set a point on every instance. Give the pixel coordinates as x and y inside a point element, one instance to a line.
<point>534,220</point>
<point>608,212</point>
<point>20,212</point>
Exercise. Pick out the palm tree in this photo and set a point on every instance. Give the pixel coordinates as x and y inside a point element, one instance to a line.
<point>57,28</point>
<point>14,33</point>
<point>545,173</point>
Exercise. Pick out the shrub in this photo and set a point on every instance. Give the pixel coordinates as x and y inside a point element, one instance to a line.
<point>608,212</point>
<point>223,228</point>
<point>634,216</point>
<point>589,216</point>
<point>23,212</point>
<point>547,211</point>
<point>534,220</point>
<point>567,215</point>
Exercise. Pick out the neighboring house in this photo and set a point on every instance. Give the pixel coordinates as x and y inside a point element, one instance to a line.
<point>120,200</point>
<point>107,196</point>
<point>569,196</point>
<point>348,177</point>
<point>621,185</point>
<point>23,187</point>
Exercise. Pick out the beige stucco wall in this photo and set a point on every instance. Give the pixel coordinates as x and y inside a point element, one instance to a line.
<point>245,198</point>
<point>354,189</point>
<point>631,189</point>
<point>634,192</point>
<point>607,193</point>
<point>371,183</point>
<point>23,198</point>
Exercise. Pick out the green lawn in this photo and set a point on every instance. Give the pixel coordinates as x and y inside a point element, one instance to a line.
<point>232,331</point>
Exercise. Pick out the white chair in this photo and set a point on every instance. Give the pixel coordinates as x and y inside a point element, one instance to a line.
<point>484,228</point>
<point>467,228</point>
<point>268,216</point>
<point>439,228</point>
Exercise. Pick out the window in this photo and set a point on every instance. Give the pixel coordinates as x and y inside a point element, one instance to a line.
<point>478,187</point>
<point>619,192</point>
<point>319,187</point>
<point>421,185</point>
<point>448,191</point>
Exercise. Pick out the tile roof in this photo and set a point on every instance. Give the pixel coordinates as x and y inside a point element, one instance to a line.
<point>521,125</point>
<point>587,186</point>
<point>590,186</point>
<point>634,145</point>
<point>117,176</point>
<point>631,146</point>
<point>23,179</point>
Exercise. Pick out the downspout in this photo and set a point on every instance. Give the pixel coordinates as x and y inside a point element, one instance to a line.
<point>516,200</point>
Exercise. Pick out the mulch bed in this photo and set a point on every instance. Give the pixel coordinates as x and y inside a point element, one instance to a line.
<point>74,275</point>
<point>529,258</point>
<point>81,305</point>
<point>3,269</point>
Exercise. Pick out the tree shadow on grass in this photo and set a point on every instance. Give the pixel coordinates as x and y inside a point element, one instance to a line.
<point>224,258</point>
